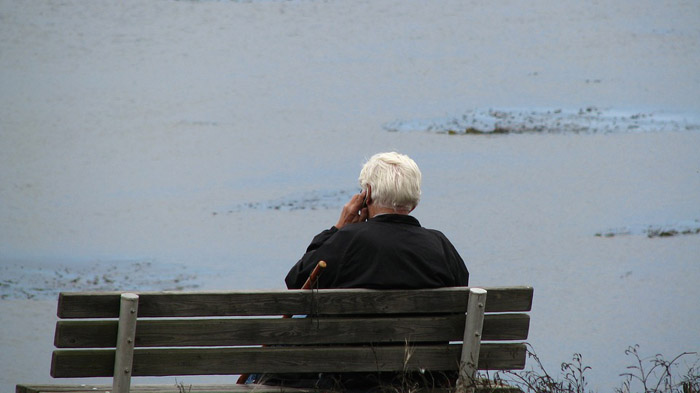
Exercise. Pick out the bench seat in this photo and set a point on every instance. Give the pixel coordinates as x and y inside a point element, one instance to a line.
<point>110,334</point>
<point>233,388</point>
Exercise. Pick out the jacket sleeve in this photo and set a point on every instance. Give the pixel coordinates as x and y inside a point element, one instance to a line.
<point>455,263</point>
<point>302,269</point>
<point>462,274</point>
<point>459,268</point>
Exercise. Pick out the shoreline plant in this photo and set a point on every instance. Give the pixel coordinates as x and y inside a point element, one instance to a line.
<point>652,374</point>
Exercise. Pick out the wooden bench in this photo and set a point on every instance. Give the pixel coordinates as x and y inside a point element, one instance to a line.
<point>232,332</point>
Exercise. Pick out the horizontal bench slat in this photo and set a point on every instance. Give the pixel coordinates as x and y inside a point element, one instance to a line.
<point>223,361</point>
<point>169,388</point>
<point>208,388</point>
<point>232,332</point>
<point>329,301</point>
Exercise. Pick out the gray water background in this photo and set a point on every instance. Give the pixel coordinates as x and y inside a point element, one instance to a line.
<point>201,145</point>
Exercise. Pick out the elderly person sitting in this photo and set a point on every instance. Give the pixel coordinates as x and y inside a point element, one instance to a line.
<point>376,243</point>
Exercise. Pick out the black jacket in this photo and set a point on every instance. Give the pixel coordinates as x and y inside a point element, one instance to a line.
<point>390,251</point>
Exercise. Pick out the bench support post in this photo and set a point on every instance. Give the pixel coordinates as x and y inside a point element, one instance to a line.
<point>126,333</point>
<point>469,361</point>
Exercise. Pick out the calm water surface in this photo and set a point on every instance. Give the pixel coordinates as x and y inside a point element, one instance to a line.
<point>201,145</point>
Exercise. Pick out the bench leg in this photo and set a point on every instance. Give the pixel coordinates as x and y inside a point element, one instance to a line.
<point>469,361</point>
<point>126,333</point>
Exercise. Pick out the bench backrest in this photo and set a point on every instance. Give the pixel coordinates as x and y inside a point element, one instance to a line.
<point>211,333</point>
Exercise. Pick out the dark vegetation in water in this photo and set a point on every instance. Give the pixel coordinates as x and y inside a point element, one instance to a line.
<point>20,281</point>
<point>672,232</point>
<point>474,131</point>
<point>312,200</point>
<point>512,121</point>
<point>684,228</point>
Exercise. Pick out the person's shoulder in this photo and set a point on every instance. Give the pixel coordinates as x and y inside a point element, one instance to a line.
<point>438,234</point>
<point>353,228</point>
<point>435,231</point>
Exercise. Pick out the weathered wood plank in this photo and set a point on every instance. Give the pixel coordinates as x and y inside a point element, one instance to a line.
<point>206,388</point>
<point>471,344</point>
<point>328,301</point>
<point>126,331</point>
<point>214,389</point>
<point>223,361</point>
<point>232,332</point>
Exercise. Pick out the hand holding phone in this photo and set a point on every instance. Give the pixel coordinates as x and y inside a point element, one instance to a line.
<point>354,211</point>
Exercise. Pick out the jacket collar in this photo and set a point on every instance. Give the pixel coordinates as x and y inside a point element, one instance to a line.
<point>396,218</point>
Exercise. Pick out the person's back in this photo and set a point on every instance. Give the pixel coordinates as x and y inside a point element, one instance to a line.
<point>390,251</point>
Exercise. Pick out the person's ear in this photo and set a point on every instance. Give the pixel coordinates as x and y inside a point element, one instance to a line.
<point>368,196</point>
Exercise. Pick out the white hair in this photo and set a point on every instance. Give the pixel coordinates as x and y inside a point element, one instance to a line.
<point>395,180</point>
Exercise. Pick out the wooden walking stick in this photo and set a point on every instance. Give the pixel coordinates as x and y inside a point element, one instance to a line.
<point>313,277</point>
